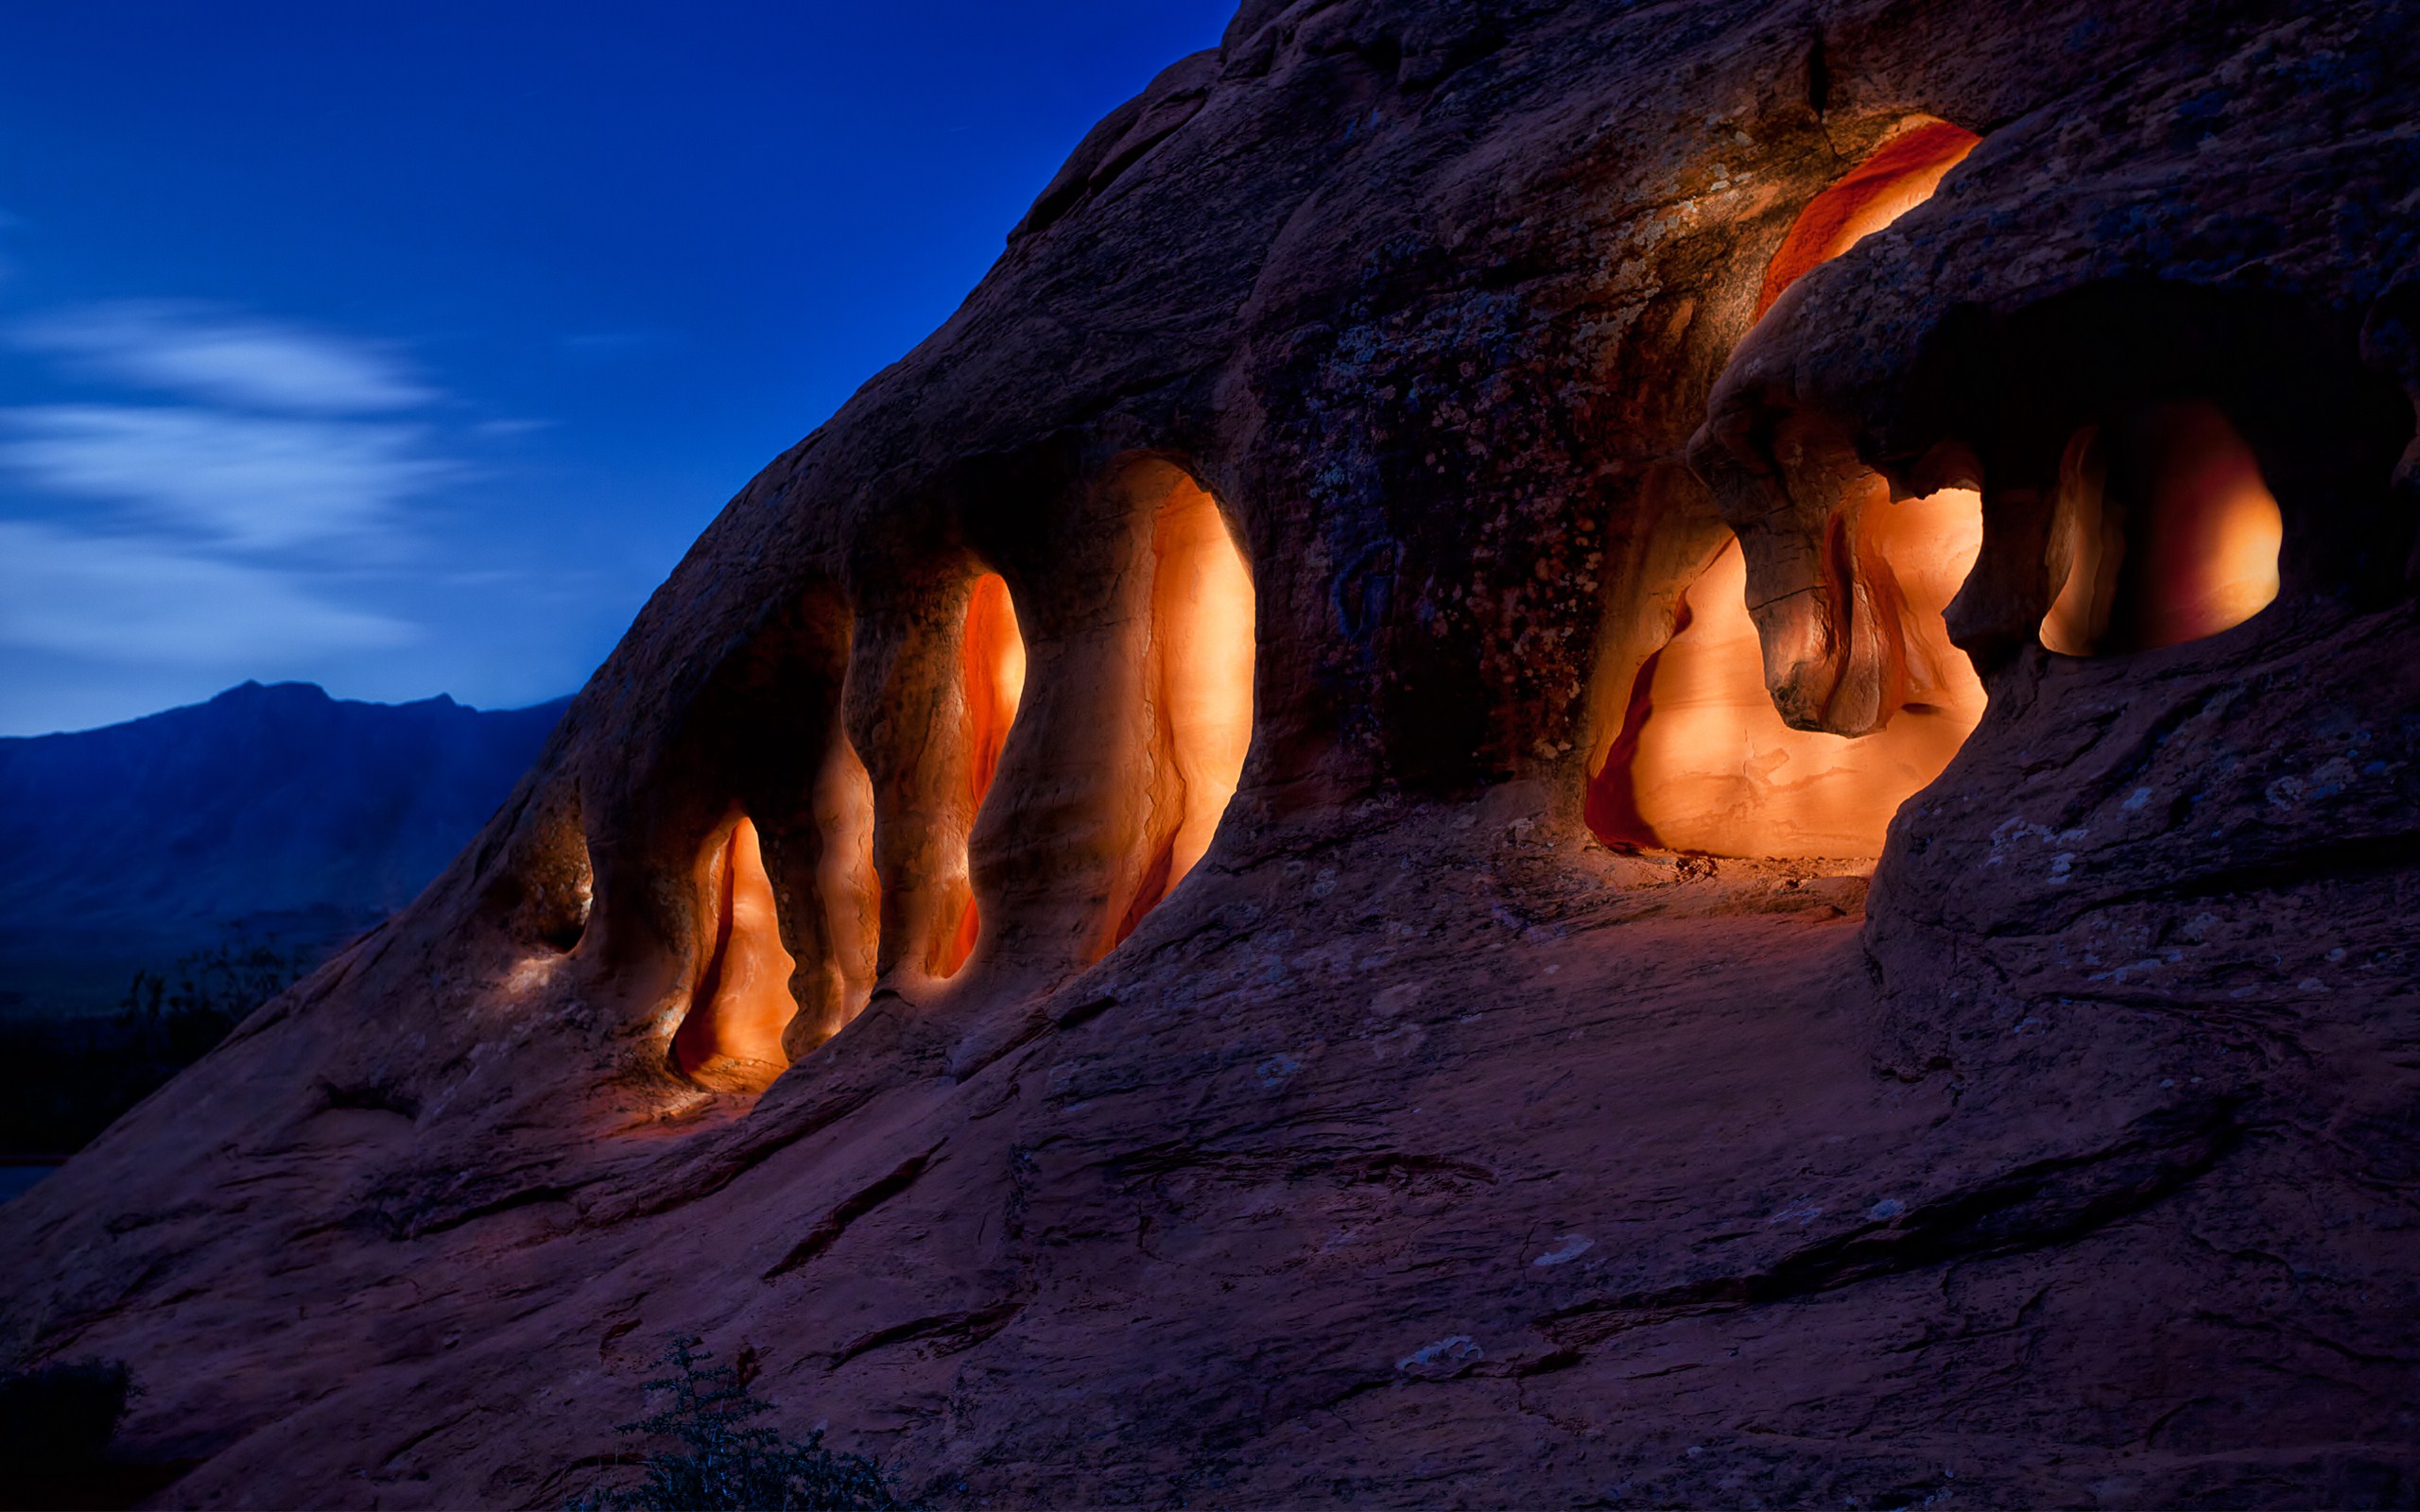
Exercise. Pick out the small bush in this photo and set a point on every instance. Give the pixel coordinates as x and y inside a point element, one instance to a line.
<point>62,1080</point>
<point>726,1461</point>
<point>216,990</point>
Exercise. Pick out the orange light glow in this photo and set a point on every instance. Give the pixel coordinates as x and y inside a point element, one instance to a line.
<point>1198,680</point>
<point>2175,538</point>
<point>2079,616</point>
<point>1202,611</point>
<point>846,883</point>
<point>992,660</point>
<point>1703,761</point>
<point>744,986</point>
<point>1902,174</point>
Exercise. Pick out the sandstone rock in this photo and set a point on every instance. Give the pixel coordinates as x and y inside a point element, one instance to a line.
<point>1418,1147</point>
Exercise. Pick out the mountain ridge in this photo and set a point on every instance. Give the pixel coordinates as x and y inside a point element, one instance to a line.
<point>271,810</point>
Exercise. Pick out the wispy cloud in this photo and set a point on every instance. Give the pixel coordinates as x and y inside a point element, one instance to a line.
<point>224,358</point>
<point>189,517</point>
<point>249,481</point>
<point>127,599</point>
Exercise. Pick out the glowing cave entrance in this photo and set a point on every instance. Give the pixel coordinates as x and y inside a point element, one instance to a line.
<point>849,895</point>
<point>992,663</point>
<point>1899,176</point>
<point>1703,762</point>
<point>1701,759</point>
<point>752,1006</point>
<point>1197,702</point>
<point>2168,532</point>
<point>739,1002</point>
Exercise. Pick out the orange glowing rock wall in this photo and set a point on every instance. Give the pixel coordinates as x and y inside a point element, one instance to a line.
<point>740,1003</point>
<point>2172,540</point>
<point>1897,177</point>
<point>850,892</point>
<point>1704,762</point>
<point>992,660</point>
<point>1198,703</point>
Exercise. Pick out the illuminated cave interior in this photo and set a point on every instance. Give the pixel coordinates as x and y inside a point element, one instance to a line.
<point>740,1000</point>
<point>1701,759</point>
<point>2168,532</point>
<point>1178,730</point>
<point>849,894</point>
<point>1896,178</point>
<point>1197,699</point>
<point>1703,762</point>
<point>992,658</point>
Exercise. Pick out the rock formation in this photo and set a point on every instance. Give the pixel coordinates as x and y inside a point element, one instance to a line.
<point>1521,1097</point>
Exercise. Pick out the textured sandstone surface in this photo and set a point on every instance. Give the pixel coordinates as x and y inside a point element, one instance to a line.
<point>1418,1148</point>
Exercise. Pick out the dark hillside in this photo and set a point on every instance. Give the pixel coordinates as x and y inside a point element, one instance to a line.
<point>268,811</point>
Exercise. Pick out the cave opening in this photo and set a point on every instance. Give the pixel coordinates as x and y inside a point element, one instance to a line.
<point>1697,757</point>
<point>1196,704</point>
<point>849,893</point>
<point>992,662</point>
<point>740,997</point>
<point>2168,531</point>
<point>1896,178</point>
<point>1704,762</point>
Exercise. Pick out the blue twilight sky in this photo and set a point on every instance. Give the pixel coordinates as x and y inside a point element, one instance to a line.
<point>403,345</point>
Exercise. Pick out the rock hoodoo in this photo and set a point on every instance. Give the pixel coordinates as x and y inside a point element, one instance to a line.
<point>1564,754</point>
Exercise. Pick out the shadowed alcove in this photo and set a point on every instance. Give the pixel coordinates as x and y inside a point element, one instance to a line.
<point>2164,463</point>
<point>2168,529</point>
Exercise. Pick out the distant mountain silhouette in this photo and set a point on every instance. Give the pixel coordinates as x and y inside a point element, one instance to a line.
<point>268,811</point>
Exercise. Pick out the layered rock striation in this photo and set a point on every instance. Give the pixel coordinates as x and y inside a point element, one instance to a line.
<point>1510,1101</point>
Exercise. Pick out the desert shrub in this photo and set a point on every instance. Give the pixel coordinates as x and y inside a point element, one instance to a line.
<point>725,1460</point>
<point>62,1080</point>
<point>215,991</point>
